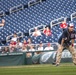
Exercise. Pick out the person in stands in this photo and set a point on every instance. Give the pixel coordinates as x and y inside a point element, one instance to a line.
<point>2,23</point>
<point>63,25</point>
<point>49,47</point>
<point>47,31</point>
<point>12,46</point>
<point>36,32</point>
<point>15,37</point>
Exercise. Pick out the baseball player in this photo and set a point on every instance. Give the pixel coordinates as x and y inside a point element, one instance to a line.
<point>66,40</point>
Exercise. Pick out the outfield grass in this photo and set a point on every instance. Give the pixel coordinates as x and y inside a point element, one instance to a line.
<point>45,69</point>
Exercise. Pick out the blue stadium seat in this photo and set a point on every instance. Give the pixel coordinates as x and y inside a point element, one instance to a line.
<point>42,13</point>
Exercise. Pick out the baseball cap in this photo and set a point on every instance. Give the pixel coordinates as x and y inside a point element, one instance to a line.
<point>71,25</point>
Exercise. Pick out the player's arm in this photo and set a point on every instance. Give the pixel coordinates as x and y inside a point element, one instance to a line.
<point>72,41</point>
<point>62,42</point>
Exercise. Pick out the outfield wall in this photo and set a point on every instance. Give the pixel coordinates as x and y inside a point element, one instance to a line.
<point>25,58</point>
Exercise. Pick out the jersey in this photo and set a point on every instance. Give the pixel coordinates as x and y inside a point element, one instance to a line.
<point>68,36</point>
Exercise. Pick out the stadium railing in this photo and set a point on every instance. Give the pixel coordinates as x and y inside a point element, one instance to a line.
<point>39,27</point>
<point>73,15</point>
<point>19,35</point>
<point>16,8</point>
<point>57,21</point>
<point>33,2</point>
<point>2,13</point>
<point>35,47</point>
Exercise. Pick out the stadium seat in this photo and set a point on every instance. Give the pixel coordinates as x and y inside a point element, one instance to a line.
<point>42,13</point>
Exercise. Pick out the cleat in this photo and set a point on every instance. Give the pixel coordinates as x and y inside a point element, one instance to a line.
<point>74,63</point>
<point>57,64</point>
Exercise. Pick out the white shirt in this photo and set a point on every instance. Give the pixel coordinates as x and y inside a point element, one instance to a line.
<point>40,48</point>
<point>49,48</point>
<point>31,49</point>
<point>36,33</point>
<point>20,44</point>
<point>24,50</point>
<point>14,39</point>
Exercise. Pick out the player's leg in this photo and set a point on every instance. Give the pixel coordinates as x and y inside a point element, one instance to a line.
<point>73,52</point>
<point>54,62</point>
<point>59,53</point>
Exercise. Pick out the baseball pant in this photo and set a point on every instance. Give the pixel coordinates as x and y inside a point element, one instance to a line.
<point>59,53</point>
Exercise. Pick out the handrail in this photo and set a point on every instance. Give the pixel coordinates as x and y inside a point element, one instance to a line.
<point>33,2</point>
<point>9,36</point>
<point>30,30</point>
<point>2,13</point>
<point>58,21</point>
<point>16,8</point>
<point>73,15</point>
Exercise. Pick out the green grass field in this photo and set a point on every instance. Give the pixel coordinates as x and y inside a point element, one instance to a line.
<point>45,69</point>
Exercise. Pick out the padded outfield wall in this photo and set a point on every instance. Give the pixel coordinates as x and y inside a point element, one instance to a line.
<point>47,57</point>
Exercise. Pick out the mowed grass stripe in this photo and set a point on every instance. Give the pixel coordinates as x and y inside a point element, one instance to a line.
<point>37,65</point>
<point>64,69</point>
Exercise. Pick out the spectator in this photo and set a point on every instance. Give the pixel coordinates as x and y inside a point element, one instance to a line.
<point>36,32</point>
<point>63,25</point>
<point>29,41</point>
<point>31,48</point>
<point>12,46</point>
<point>13,43</point>
<point>19,45</point>
<point>14,38</point>
<point>24,49</point>
<point>40,48</point>
<point>25,43</point>
<point>29,54</point>
<point>47,31</point>
<point>49,47</point>
<point>2,23</point>
<point>6,50</point>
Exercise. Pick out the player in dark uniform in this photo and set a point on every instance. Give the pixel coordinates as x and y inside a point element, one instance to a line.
<point>66,40</point>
